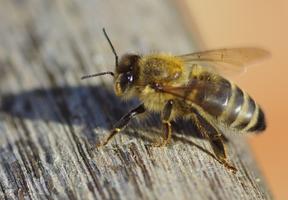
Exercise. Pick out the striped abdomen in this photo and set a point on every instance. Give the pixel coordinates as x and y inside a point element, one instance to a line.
<point>228,103</point>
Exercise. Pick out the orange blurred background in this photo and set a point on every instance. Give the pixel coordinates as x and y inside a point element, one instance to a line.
<point>260,23</point>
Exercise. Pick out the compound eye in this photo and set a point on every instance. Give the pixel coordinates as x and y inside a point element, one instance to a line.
<point>125,80</point>
<point>129,77</point>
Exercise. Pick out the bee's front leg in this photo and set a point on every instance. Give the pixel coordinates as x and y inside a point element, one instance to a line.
<point>122,123</point>
<point>166,124</point>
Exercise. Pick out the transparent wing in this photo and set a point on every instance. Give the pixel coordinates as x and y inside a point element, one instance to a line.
<point>212,90</point>
<point>225,61</point>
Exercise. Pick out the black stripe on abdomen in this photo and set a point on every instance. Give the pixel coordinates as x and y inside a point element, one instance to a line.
<point>235,105</point>
<point>259,124</point>
<point>245,115</point>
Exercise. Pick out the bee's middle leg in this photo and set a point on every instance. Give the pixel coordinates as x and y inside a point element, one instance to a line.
<point>166,124</point>
<point>122,123</point>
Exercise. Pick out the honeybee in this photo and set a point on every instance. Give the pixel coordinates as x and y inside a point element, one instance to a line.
<point>192,87</point>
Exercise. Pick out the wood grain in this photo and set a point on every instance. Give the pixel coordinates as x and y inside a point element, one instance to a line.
<point>50,120</point>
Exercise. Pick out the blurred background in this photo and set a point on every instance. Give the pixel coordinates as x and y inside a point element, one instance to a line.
<point>226,23</point>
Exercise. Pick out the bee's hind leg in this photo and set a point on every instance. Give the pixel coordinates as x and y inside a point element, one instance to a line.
<point>166,124</point>
<point>219,149</point>
<point>215,137</point>
<point>122,123</point>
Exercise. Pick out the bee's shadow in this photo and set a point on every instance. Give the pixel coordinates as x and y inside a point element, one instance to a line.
<point>81,105</point>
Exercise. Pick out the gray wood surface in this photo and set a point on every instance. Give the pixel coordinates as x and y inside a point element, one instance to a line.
<point>50,119</point>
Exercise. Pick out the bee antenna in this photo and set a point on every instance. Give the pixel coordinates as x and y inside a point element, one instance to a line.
<point>98,74</point>
<point>111,45</point>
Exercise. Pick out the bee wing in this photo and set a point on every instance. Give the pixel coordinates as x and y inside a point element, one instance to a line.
<point>215,91</point>
<point>225,61</point>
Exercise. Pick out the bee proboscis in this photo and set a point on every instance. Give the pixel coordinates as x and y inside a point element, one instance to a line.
<point>190,86</point>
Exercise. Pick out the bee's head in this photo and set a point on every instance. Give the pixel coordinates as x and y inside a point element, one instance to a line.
<point>126,72</point>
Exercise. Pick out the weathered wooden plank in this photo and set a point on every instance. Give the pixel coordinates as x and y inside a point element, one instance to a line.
<point>50,120</point>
